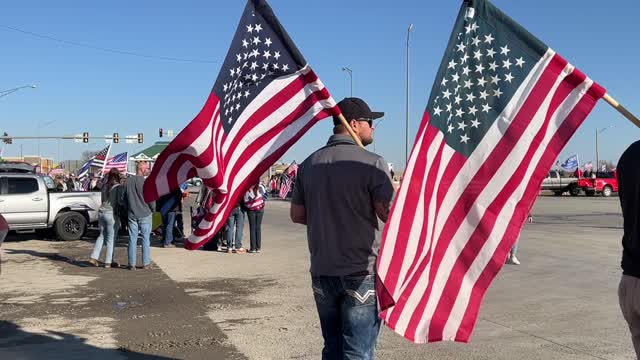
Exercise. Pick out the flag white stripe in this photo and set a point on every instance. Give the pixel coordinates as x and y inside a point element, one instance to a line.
<point>506,215</point>
<point>472,165</point>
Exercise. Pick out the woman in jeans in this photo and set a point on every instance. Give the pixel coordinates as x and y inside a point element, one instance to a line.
<point>108,218</point>
<point>254,203</point>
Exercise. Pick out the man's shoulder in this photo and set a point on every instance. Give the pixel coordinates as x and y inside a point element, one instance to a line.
<point>347,149</point>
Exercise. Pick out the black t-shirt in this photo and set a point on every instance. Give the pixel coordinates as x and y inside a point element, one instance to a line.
<point>629,192</point>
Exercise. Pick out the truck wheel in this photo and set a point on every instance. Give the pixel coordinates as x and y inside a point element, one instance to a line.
<point>606,191</point>
<point>70,226</point>
<point>574,191</point>
<point>590,192</point>
<point>557,193</point>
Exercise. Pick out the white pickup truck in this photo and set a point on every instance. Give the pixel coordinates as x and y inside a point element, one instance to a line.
<point>29,202</point>
<point>554,182</point>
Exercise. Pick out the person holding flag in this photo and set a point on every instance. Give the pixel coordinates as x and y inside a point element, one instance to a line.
<point>340,192</point>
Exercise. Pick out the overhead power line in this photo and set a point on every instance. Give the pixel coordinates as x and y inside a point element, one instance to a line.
<point>115,51</point>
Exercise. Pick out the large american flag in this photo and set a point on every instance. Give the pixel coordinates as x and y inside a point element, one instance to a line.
<point>264,99</point>
<point>119,162</point>
<point>502,107</point>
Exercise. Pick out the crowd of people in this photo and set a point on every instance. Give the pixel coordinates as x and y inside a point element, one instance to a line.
<point>123,206</point>
<point>229,238</point>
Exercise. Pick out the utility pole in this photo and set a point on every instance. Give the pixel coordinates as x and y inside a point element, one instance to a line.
<point>350,72</point>
<point>406,139</point>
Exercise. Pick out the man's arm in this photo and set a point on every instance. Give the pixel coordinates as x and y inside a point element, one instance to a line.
<point>382,210</point>
<point>298,214</point>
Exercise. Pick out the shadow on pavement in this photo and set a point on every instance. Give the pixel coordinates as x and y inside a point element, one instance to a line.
<point>16,343</point>
<point>50,256</point>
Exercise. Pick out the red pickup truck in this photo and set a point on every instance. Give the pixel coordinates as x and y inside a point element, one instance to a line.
<point>604,183</point>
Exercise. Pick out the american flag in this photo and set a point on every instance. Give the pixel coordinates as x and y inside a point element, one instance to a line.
<point>100,157</point>
<point>264,99</point>
<point>287,179</point>
<point>285,185</point>
<point>502,107</point>
<point>119,162</point>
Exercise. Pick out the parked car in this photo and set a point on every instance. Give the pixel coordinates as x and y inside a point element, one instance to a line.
<point>604,183</point>
<point>29,202</point>
<point>558,184</point>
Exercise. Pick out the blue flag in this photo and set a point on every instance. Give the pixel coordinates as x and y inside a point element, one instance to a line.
<point>571,163</point>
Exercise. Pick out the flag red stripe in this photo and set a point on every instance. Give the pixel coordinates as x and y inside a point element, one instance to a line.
<point>483,230</point>
<point>562,136</point>
<point>484,174</point>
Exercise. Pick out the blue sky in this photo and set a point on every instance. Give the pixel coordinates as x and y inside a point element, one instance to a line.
<point>81,89</point>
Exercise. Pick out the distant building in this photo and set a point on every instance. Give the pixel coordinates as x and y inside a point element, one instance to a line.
<point>149,154</point>
<point>42,164</point>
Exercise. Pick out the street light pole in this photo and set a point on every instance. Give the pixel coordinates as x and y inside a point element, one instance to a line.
<point>406,140</point>
<point>350,72</point>
<point>4,93</point>
<point>39,126</point>
<point>597,150</point>
<point>597,154</point>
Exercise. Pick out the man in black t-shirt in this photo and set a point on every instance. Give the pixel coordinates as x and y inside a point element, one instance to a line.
<point>629,192</point>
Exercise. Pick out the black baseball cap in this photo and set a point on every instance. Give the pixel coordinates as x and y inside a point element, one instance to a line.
<point>356,108</point>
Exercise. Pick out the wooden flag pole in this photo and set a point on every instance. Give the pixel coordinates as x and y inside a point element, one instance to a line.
<point>355,137</point>
<point>621,109</point>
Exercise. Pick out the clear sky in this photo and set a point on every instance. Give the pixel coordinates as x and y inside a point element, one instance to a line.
<point>82,89</point>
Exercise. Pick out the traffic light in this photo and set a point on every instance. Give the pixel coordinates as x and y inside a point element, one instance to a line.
<point>140,138</point>
<point>160,132</point>
<point>116,138</point>
<point>85,137</point>
<point>7,139</point>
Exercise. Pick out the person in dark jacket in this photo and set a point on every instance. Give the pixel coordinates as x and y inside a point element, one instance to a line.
<point>169,205</point>
<point>139,216</point>
<point>629,192</point>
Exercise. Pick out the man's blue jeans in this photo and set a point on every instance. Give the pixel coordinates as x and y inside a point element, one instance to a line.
<point>236,219</point>
<point>348,311</point>
<point>168,222</point>
<point>144,224</point>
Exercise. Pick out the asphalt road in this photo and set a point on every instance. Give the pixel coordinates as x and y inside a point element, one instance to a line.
<point>561,303</point>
